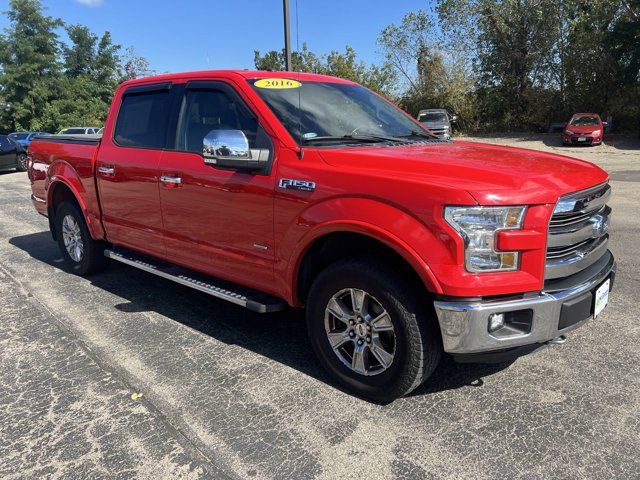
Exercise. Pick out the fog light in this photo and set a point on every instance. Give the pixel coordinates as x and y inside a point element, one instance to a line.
<point>496,322</point>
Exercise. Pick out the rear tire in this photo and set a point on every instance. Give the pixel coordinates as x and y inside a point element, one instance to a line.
<point>377,359</point>
<point>82,254</point>
<point>21,166</point>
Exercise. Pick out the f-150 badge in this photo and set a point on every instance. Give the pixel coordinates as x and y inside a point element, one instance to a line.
<point>292,184</point>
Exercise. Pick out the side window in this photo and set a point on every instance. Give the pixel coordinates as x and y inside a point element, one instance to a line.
<point>143,119</point>
<point>206,110</point>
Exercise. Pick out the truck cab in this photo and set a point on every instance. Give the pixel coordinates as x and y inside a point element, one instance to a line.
<point>276,189</point>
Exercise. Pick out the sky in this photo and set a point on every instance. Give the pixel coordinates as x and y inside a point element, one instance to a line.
<point>209,34</point>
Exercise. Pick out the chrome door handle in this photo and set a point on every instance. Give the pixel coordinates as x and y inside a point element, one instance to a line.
<point>107,170</point>
<point>172,180</point>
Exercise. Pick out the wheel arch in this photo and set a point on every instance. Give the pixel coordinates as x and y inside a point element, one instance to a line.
<point>339,240</point>
<point>61,190</point>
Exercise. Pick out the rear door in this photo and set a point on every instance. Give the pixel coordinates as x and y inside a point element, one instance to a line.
<point>127,168</point>
<point>219,221</point>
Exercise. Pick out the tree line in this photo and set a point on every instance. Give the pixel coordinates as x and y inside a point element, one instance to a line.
<point>46,83</point>
<point>502,65</point>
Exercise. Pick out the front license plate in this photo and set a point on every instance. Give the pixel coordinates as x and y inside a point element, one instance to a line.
<point>602,297</point>
<point>582,139</point>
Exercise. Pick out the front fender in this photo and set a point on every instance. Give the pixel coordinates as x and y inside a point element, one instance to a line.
<point>389,224</point>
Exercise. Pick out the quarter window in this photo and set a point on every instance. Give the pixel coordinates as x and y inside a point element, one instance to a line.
<point>143,119</point>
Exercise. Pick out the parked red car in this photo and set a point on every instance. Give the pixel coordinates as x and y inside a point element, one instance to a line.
<point>271,189</point>
<point>584,129</point>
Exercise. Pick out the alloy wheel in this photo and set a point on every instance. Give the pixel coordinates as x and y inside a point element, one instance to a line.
<point>72,237</point>
<point>360,331</point>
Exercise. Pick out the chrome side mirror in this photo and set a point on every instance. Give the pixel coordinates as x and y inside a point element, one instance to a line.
<point>224,145</point>
<point>230,149</point>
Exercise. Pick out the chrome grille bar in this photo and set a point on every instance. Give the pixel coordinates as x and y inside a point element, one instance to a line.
<point>578,231</point>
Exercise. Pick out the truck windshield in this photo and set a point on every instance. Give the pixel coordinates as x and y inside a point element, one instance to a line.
<point>336,112</point>
<point>585,121</point>
<point>434,117</point>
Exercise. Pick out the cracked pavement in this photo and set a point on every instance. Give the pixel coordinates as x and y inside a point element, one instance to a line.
<point>232,394</point>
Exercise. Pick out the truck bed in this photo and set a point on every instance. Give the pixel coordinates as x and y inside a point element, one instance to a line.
<point>72,155</point>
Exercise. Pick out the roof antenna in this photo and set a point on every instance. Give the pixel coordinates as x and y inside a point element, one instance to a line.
<point>300,152</point>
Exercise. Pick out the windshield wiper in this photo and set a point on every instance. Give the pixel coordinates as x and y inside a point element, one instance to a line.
<point>416,133</point>
<point>357,138</point>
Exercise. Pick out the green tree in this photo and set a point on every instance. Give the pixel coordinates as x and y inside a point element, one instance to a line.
<point>79,57</point>
<point>433,74</point>
<point>380,78</point>
<point>30,69</point>
<point>135,66</point>
<point>107,71</point>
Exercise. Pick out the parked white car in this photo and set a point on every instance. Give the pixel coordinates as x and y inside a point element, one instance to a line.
<point>79,131</point>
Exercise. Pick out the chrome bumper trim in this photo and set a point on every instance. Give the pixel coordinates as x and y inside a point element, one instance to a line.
<point>464,324</point>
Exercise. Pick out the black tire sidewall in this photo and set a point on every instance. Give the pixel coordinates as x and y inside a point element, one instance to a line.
<point>396,380</point>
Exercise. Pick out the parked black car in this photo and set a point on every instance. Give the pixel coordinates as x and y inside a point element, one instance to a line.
<point>12,155</point>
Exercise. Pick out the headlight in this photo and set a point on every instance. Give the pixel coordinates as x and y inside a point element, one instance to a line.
<point>478,227</point>
<point>596,132</point>
<point>568,132</point>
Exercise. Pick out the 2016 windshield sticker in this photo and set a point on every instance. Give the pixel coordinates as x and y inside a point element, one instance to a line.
<point>277,83</point>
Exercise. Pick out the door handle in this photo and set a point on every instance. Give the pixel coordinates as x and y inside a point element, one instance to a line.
<point>104,170</point>
<point>171,180</point>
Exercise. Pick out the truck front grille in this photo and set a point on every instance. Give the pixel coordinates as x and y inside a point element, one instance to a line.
<point>439,132</point>
<point>578,232</point>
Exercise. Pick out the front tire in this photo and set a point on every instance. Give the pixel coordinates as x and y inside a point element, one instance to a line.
<point>372,329</point>
<point>82,254</point>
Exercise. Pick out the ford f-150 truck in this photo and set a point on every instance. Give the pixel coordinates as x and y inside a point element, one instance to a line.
<point>272,189</point>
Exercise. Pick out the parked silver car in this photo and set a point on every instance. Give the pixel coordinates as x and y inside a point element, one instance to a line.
<point>438,121</point>
<point>79,131</point>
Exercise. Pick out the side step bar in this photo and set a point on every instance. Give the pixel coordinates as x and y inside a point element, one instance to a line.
<point>245,297</point>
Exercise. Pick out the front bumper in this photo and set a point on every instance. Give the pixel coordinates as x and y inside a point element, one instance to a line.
<point>538,319</point>
<point>575,139</point>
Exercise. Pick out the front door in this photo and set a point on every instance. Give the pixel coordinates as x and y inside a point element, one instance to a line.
<point>127,169</point>
<point>218,221</point>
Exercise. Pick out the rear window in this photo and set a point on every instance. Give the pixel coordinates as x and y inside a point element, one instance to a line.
<point>142,121</point>
<point>19,136</point>
<point>73,131</point>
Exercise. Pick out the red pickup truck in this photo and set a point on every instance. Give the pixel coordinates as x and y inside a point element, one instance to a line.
<point>272,189</point>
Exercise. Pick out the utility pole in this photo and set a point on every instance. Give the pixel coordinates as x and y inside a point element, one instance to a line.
<point>287,36</point>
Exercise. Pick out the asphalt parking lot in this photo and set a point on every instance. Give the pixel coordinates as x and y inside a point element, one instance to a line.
<point>226,393</point>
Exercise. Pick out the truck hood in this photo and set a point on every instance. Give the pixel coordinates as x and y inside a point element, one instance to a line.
<point>492,174</point>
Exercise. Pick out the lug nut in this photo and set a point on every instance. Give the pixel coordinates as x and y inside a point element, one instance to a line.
<point>368,328</point>
<point>360,342</point>
<point>352,334</point>
<point>351,322</point>
<point>368,339</point>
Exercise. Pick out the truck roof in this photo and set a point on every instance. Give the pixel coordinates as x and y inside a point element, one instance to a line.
<point>247,74</point>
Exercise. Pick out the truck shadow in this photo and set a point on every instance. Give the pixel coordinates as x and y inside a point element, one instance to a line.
<point>281,337</point>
